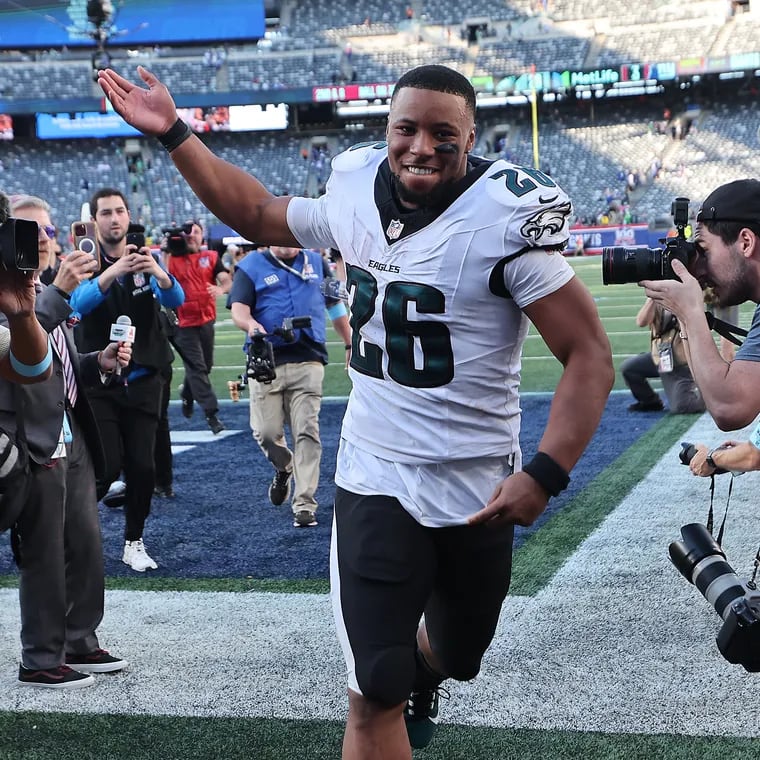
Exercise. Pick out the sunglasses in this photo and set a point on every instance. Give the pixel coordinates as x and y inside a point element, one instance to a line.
<point>47,229</point>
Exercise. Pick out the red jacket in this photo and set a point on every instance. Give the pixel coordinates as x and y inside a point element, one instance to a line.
<point>195,272</point>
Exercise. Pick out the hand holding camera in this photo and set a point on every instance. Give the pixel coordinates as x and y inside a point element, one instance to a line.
<point>684,298</point>
<point>261,365</point>
<point>17,295</point>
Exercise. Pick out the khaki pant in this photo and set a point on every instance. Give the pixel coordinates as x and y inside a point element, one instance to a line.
<point>294,398</point>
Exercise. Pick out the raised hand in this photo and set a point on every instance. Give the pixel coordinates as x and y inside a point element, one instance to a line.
<point>74,268</point>
<point>150,110</point>
<point>17,294</point>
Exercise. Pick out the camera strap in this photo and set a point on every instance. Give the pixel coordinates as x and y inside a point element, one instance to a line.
<point>710,513</point>
<point>726,329</point>
<point>751,583</point>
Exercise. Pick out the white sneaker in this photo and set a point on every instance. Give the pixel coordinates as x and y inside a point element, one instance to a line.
<point>136,557</point>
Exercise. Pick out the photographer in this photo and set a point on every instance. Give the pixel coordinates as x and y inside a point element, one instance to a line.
<point>203,277</point>
<point>269,287</point>
<point>730,456</point>
<point>130,284</point>
<point>727,240</point>
<point>667,359</point>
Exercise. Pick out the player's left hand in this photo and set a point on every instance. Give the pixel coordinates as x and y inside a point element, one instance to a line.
<point>518,499</point>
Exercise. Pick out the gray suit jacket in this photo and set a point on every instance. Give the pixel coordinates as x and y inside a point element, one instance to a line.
<point>44,403</point>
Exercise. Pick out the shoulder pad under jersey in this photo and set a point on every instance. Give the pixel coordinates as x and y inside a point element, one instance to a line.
<point>359,155</point>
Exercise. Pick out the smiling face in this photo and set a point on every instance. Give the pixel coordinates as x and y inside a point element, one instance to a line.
<point>421,124</point>
<point>724,267</point>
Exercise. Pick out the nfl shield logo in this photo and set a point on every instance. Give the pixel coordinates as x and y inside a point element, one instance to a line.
<point>138,278</point>
<point>394,229</point>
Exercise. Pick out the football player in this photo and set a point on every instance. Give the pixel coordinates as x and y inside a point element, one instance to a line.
<point>448,259</point>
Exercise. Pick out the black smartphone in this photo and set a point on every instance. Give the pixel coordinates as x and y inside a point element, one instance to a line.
<point>136,235</point>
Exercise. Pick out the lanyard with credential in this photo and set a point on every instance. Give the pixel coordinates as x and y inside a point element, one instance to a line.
<point>282,265</point>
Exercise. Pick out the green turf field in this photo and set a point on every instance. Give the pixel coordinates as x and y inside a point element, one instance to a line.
<point>618,305</point>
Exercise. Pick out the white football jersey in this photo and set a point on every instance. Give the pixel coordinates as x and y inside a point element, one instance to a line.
<point>436,302</point>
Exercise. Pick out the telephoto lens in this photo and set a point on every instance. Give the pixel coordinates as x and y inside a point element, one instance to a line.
<point>700,559</point>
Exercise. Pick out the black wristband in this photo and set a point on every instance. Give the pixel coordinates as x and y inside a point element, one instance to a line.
<point>348,346</point>
<point>547,473</point>
<point>178,133</point>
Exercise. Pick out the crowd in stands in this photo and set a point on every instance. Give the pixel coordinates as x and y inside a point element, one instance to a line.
<point>636,165</point>
<point>309,46</point>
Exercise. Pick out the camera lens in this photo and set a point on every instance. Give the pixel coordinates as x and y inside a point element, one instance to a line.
<point>702,562</point>
<point>621,265</point>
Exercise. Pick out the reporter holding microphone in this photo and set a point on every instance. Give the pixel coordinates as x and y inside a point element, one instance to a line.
<point>131,285</point>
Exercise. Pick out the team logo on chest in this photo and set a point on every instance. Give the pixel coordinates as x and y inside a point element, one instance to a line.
<point>138,278</point>
<point>395,228</point>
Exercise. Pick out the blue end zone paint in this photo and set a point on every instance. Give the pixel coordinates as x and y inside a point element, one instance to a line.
<point>221,524</point>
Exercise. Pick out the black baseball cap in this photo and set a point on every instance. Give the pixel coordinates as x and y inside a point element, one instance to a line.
<point>737,201</point>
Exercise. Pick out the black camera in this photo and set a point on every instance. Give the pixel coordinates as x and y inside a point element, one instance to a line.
<point>260,365</point>
<point>700,559</point>
<point>621,264</point>
<point>174,238</point>
<point>19,247</point>
<point>688,450</point>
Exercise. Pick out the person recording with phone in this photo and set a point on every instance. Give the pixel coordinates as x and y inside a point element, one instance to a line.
<point>269,287</point>
<point>56,538</point>
<point>132,284</point>
<point>727,259</point>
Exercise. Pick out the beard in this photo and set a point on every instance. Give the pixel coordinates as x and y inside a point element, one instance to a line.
<point>113,238</point>
<point>429,199</point>
<point>736,288</point>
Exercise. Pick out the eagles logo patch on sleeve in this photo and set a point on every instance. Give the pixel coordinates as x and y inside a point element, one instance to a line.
<point>547,226</point>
